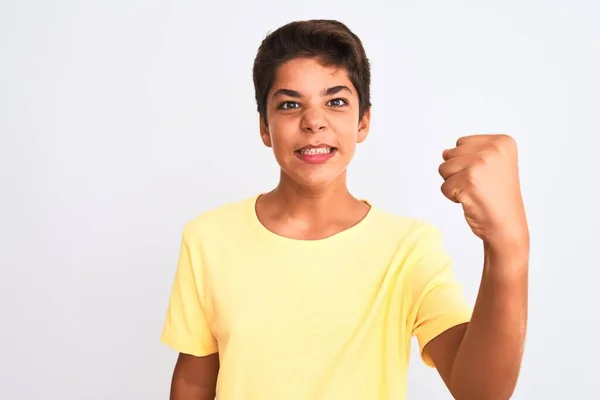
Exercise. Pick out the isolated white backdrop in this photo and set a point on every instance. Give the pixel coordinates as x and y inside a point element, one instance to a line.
<point>122,120</point>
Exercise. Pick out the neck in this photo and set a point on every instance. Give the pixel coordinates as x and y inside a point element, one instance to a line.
<point>298,201</point>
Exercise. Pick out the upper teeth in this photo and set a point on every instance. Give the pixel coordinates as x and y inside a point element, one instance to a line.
<point>313,151</point>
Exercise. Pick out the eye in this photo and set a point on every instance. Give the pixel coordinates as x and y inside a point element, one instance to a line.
<point>288,105</point>
<point>337,102</point>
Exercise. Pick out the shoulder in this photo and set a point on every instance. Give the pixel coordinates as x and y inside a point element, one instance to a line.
<point>222,219</point>
<point>419,249</point>
<point>408,229</point>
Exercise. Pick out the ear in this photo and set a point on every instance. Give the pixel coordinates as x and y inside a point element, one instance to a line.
<point>264,131</point>
<point>363,126</point>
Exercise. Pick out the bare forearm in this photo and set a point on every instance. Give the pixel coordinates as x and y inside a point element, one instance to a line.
<point>195,378</point>
<point>184,390</point>
<point>489,358</point>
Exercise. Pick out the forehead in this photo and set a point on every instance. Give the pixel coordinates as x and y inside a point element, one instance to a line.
<point>309,75</point>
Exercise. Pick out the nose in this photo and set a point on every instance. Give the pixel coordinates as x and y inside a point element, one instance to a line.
<point>313,121</point>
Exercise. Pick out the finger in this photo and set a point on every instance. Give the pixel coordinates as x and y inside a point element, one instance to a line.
<point>456,165</point>
<point>473,139</point>
<point>452,188</point>
<point>470,148</point>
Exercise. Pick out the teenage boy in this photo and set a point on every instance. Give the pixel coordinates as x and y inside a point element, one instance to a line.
<point>307,292</point>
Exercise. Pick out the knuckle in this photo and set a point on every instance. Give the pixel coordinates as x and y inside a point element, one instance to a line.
<point>482,158</point>
<point>471,176</point>
<point>442,169</point>
<point>505,140</point>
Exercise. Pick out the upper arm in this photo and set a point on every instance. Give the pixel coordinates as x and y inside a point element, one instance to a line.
<point>195,377</point>
<point>443,348</point>
<point>187,326</point>
<point>439,308</point>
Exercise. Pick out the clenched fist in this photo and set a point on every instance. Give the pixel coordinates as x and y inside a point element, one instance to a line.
<point>481,173</point>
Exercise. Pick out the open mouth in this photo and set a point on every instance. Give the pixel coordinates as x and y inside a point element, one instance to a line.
<point>316,151</point>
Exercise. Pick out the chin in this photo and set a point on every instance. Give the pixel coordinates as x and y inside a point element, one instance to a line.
<point>317,179</point>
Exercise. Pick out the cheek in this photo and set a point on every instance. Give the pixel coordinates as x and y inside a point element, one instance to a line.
<point>281,139</point>
<point>283,130</point>
<point>346,130</point>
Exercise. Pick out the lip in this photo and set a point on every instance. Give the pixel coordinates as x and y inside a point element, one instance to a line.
<point>316,158</point>
<point>316,146</point>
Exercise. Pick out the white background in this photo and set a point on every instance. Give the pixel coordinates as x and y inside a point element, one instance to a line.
<point>122,120</point>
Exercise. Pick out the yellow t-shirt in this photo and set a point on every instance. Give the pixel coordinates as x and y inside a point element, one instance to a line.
<point>310,319</point>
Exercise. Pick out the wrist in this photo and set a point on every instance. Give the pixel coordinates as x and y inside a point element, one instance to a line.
<point>507,259</point>
<point>506,242</point>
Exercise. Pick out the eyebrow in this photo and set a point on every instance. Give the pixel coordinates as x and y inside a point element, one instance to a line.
<point>295,94</point>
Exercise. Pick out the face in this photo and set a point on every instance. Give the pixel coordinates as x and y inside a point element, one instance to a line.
<point>313,125</point>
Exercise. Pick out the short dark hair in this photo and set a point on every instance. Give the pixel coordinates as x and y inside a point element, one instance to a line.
<point>329,41</point>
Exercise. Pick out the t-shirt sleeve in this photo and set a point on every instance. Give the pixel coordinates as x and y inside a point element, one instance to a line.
<point>438,302</point>
<point>186,328</point>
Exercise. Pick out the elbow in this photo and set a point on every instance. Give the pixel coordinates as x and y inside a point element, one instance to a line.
<point>483,390</point>
<point>478,396</point>
<point>485,395</point>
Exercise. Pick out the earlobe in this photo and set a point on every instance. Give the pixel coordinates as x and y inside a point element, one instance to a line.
<point>363,126</point>
<point>264,131</point>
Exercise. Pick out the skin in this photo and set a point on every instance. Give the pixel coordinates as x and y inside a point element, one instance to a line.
<point>479,360</point>
<point>195,378</point>
<point>482,360</point>
<point>312,201</point>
